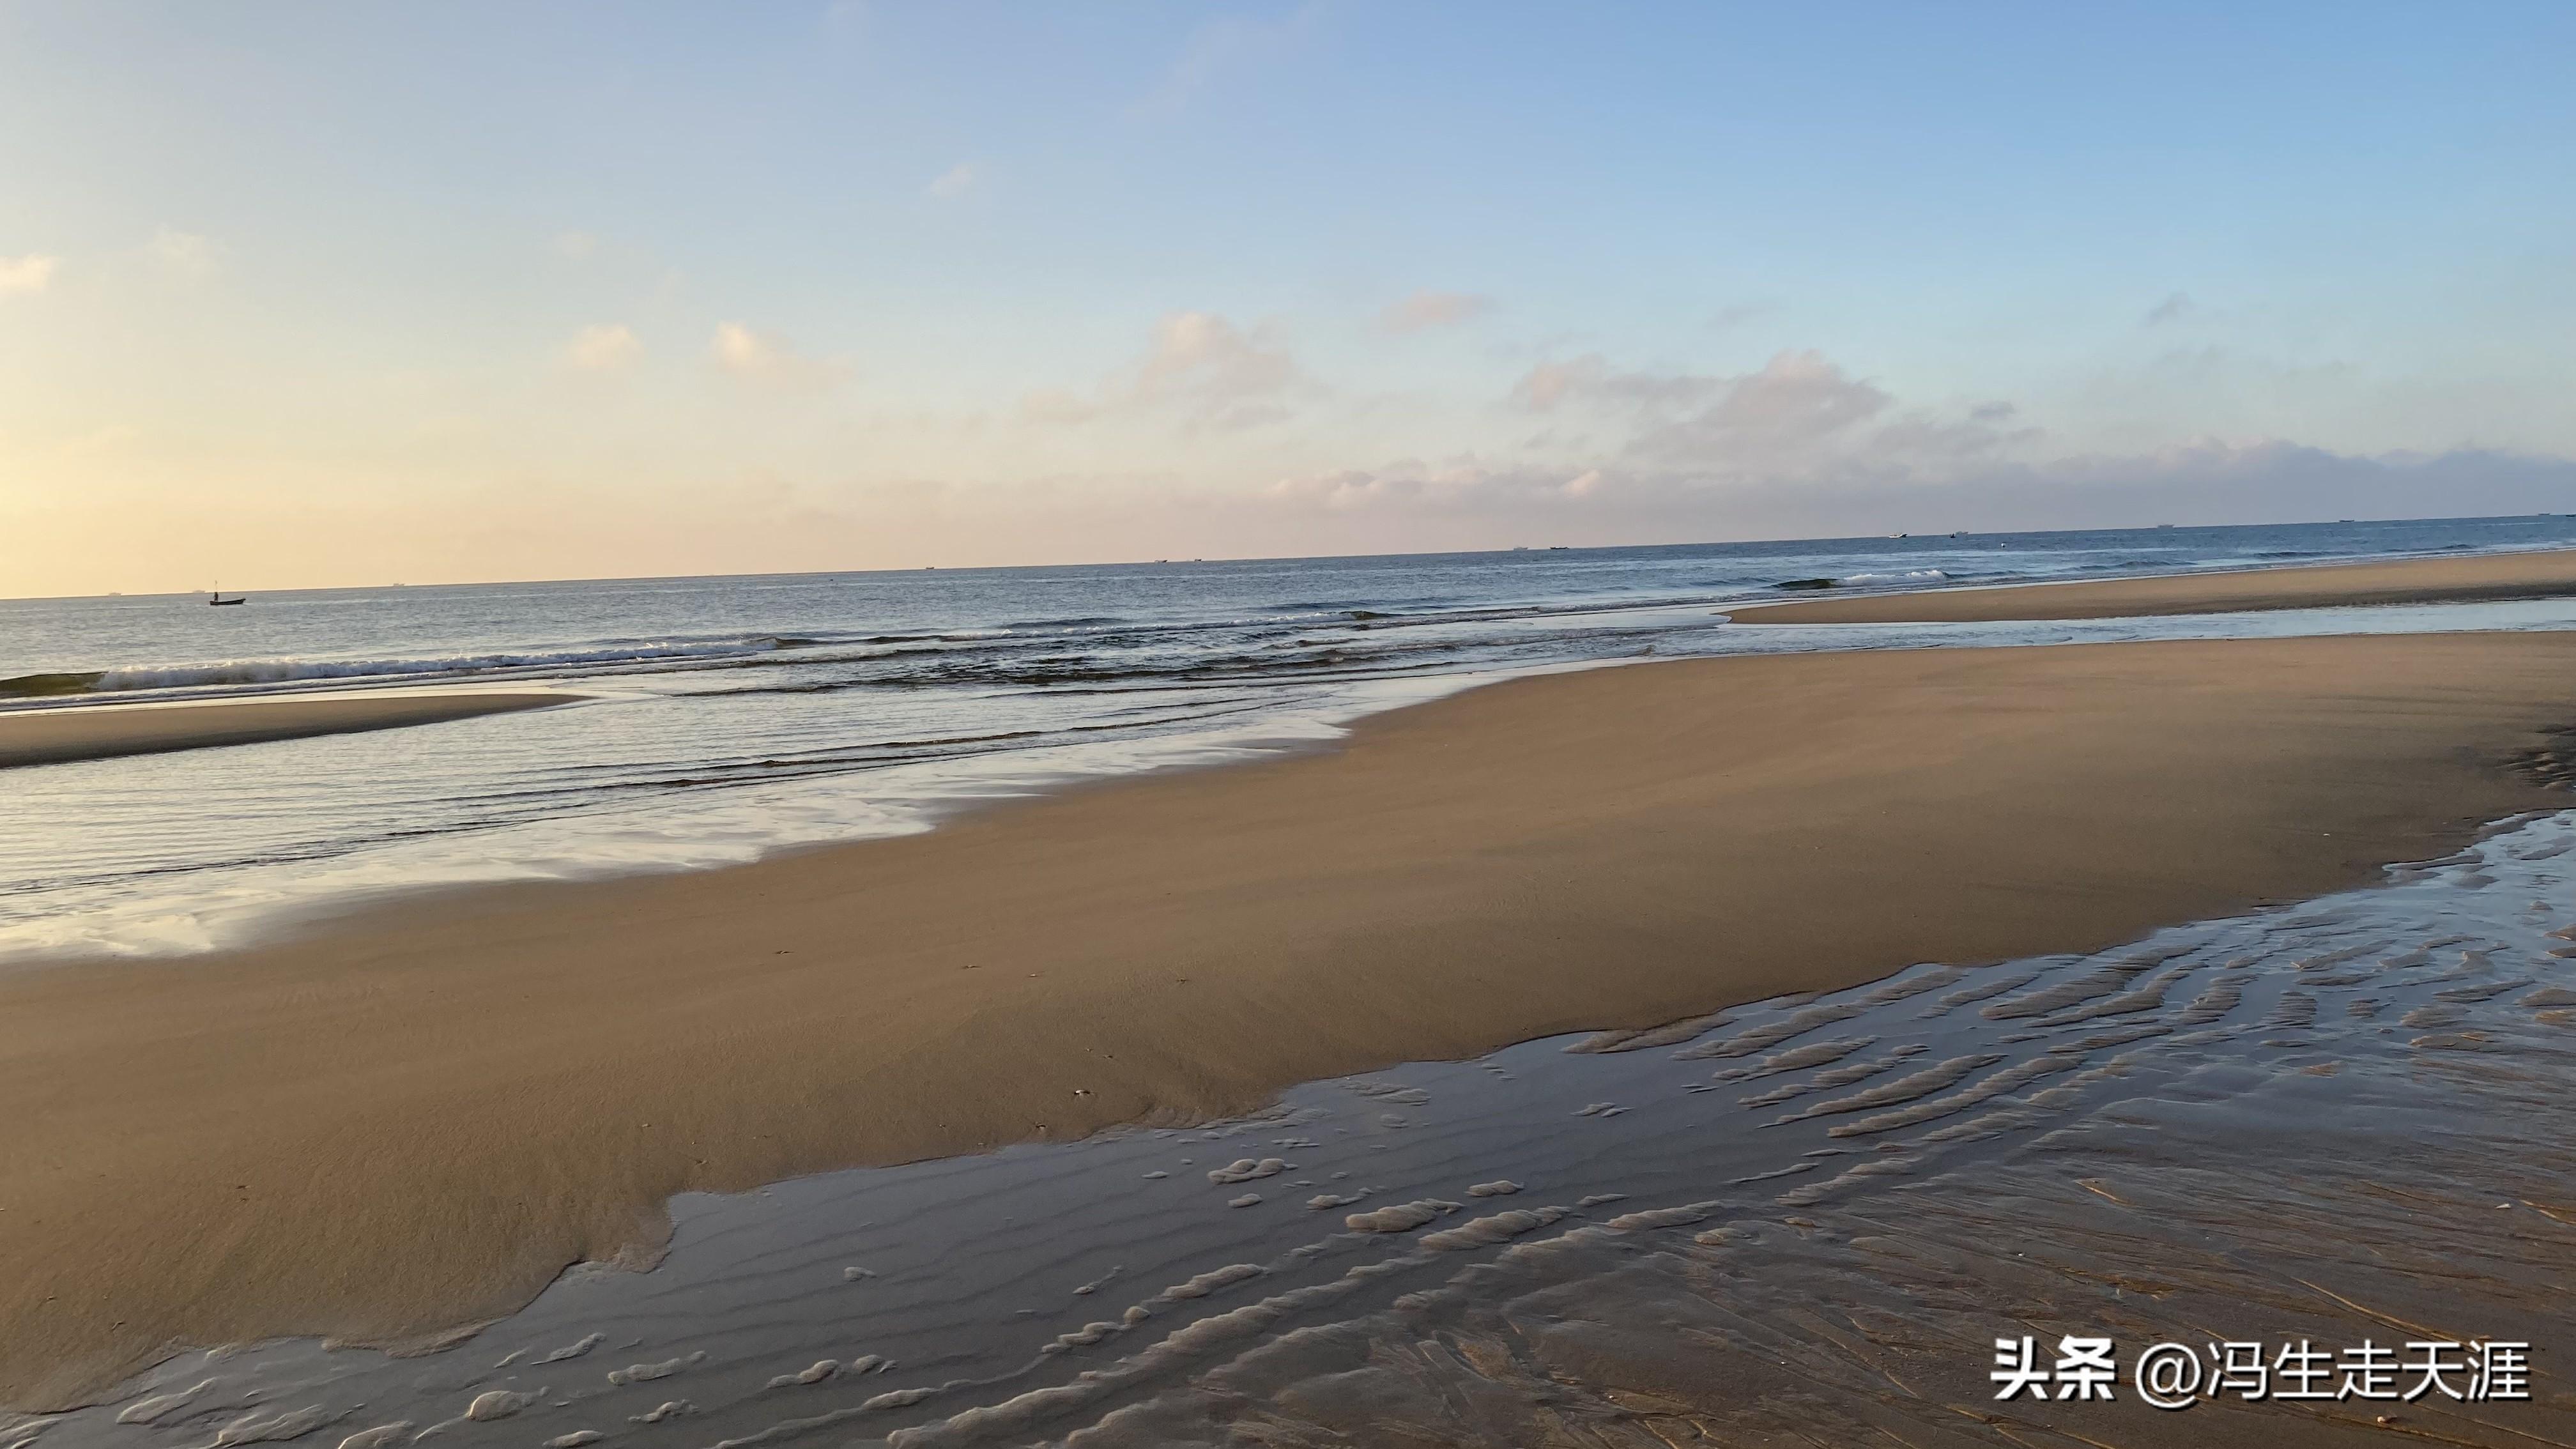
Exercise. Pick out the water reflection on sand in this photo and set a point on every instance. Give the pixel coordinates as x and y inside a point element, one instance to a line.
<point>1804,1221</point>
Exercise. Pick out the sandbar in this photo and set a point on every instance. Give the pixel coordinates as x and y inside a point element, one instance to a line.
<point>2480,578</point>
<point>417,1115</point>
<point>53,734</point>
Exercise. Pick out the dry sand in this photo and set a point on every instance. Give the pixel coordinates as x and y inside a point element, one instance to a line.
<point>2407,581</point>
<point>417,1115</point>
<point>88,732</point>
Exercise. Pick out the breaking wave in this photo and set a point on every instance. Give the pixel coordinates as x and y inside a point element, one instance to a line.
<point>238,672</point>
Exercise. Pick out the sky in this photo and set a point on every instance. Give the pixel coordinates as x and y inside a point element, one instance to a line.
<point>314,294</point>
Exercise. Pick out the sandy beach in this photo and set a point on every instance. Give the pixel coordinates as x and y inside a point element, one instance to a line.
<point>2490,577</point>
<point>415,1116</point>
<point>90,732</point>
<point>1280,726</point>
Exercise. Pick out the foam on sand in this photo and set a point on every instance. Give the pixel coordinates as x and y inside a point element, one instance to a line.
<point>271,1426</point>
<point>1247,1170</point>
<point>145,1410</point>
<point>1401,1217</point>
<point>503,1403</point>
<point>1493,1228</point>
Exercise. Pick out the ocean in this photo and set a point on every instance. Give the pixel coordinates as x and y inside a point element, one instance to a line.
<point>724,718</point>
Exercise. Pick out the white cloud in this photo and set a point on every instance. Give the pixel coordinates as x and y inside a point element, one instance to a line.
<point>184,252</point>
<point>1217,47</point>
<point>1219,374</point>
<point>771,360</point>
<point>1461,503</point>
<point>1797,404</point>
<point>1544,387</point>
<point>1204,352</point>
<point>1802,448</point>
<point>26,274</point>
<point>604,347</point>
<point>1589,378</point>
<point>1469,484</point>
<point>577,246</point>
<point>1797,413</point>
<point>1426,309</point>
<point>956,181</point>
<point>2171,309</point>
<point>1199,366</point>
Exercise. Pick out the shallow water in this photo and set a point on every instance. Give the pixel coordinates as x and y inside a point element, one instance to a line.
<point>1804,1220</point>
<point>740,716</point>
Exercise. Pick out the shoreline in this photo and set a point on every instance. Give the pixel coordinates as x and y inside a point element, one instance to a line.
<point>2444,579</point>
<point>302,713</point>
<point>418,1114</point>
<point>63,733</point>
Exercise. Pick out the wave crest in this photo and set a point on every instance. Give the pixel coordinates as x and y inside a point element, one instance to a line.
<point>289,671</point>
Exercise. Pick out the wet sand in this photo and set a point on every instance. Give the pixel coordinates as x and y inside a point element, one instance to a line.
<point>91,732</point>
<point>2485,578</point>
<point>416,1116</point>
<point>1802,1221</point>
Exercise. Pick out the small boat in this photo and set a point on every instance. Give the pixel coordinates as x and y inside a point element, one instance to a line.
<point>218,600</point>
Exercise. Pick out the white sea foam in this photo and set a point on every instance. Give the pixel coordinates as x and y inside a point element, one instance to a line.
<point>1401,1217</point>
<point>287,671</point>
<point>216,909</point>
<point>501,1403</point>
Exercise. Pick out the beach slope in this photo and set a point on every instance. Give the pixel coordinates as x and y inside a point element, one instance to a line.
<point>2481,578</point>
<point>415,1116</point>
<point>57,733</point>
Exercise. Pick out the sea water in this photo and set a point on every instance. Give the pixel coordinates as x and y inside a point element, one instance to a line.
<point>728,717</point>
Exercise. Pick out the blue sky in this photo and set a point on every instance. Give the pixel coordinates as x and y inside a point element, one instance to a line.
<point>349,293</point>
